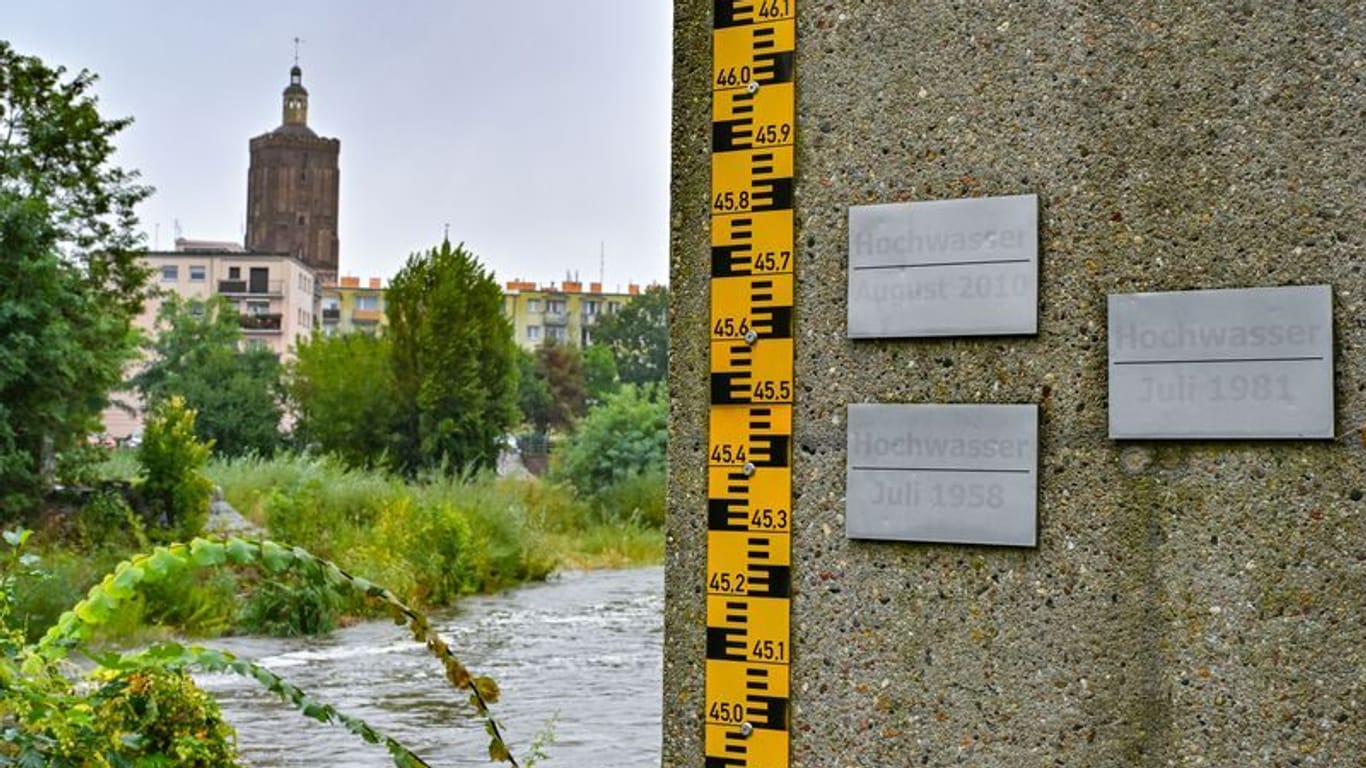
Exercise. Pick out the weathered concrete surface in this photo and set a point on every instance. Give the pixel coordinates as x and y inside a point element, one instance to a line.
<point>1189,604</point>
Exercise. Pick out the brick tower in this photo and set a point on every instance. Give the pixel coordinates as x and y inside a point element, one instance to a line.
<point>292,188</point>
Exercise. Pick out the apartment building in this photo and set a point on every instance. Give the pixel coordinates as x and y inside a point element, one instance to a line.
<point>276,298</point>
<point>349,307</point>
<point>565,312</point>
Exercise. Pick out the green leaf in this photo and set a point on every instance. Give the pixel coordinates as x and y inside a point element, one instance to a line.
<point>126,580</point>
<point>207,553</point>
<point>97,608</point>
<point>160,563</point>
<point>241,552</point>
<point>274,557</point>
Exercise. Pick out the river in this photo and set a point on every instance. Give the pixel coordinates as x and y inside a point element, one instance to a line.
<point>580,654</point>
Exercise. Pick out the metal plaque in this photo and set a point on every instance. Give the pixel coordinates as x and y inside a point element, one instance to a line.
<point>958,474</point>
<point>965,267</point>
<point>1245,363</point>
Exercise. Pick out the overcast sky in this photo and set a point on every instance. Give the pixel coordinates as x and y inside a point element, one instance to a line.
<point>537,129</point>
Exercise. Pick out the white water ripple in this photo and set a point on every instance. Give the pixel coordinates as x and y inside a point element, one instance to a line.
<point>585,648</point>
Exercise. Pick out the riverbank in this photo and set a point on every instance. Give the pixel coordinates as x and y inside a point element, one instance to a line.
<point>431,541</point>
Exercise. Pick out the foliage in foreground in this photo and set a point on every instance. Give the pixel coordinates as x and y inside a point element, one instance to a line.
<point>48,719</point>
<point>70,277</point>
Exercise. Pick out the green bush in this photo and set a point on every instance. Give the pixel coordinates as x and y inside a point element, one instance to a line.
<point>204,605</point>
<point>624,437</point>
<point>637,499</point>
<point>41,595</point>
<point>176,491</point>
<point>291,605</point>
<point>160,717</point>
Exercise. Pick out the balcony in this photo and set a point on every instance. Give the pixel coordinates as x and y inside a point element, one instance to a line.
<point>366,316</point>
<point>555,318</point>
<point>331,315</point>
<point>260,323</point>
<point>251,288</point>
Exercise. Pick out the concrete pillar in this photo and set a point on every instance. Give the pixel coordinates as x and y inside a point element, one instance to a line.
<point>1189,603</point>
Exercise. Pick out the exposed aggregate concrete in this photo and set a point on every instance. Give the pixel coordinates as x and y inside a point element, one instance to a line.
<point>1189,603</point>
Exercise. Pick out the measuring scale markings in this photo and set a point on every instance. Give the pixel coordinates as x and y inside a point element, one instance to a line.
<point>759,243</point>
<point>761,304</point>
<point>744,373</point>
<point>749,449</point>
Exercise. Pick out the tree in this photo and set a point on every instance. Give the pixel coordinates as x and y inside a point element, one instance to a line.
<point>171,459</point>
<point>638,336</point>
<point>599,373</point>
<point>623,438</point>
<point>342,391</point>
<point>197,355</point>
<point>70,277</point>
<point>533,396</point>
<point>455,369</point>
<point>561,368</point>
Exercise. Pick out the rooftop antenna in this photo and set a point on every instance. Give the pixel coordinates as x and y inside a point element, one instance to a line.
<point>602,261</point>
<point>297,41</point>
<point>446,233</point>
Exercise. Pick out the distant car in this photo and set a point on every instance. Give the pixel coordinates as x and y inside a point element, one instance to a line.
<point>134,440</point>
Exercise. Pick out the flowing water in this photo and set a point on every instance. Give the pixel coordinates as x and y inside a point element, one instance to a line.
<point>580,654</point>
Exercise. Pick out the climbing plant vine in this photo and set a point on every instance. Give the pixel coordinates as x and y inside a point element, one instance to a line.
<point>76,627</point>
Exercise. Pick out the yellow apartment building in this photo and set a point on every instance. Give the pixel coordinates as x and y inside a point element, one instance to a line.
<point>565,312</point>
<point>349,307</point>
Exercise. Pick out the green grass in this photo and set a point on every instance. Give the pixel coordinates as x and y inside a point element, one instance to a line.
<point>430,541</point>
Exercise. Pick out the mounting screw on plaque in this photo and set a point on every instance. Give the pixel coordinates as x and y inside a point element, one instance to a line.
<point>751,336</point>
<point>748,469</point>
<point>745,730</point>
<point>753,86</point>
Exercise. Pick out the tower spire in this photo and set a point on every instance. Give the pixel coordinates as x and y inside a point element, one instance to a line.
<point>295,95</point>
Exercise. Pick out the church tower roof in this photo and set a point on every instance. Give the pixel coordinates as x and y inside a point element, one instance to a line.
<point>295,105</point>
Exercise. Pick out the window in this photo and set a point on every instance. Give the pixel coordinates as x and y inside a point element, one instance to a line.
<point>557,333</point>
<point>555,307</point>
<point>533,332</point>
<point>533,305</point>
<point>196,308</point>
<point>331,302</point>
<point>234,273</point>
<point>258,307</point>
<point>170,273</point>
<point>257,344</point>
<point>590,307</point>
<point>196,273</point>
<point>367,303</point>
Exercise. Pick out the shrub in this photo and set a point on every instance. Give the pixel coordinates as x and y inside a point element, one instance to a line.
<point>637,499</point>
<point>291,605</point>
<point>176,491</point>
<point>159,717</point>
<point>624,437</point>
